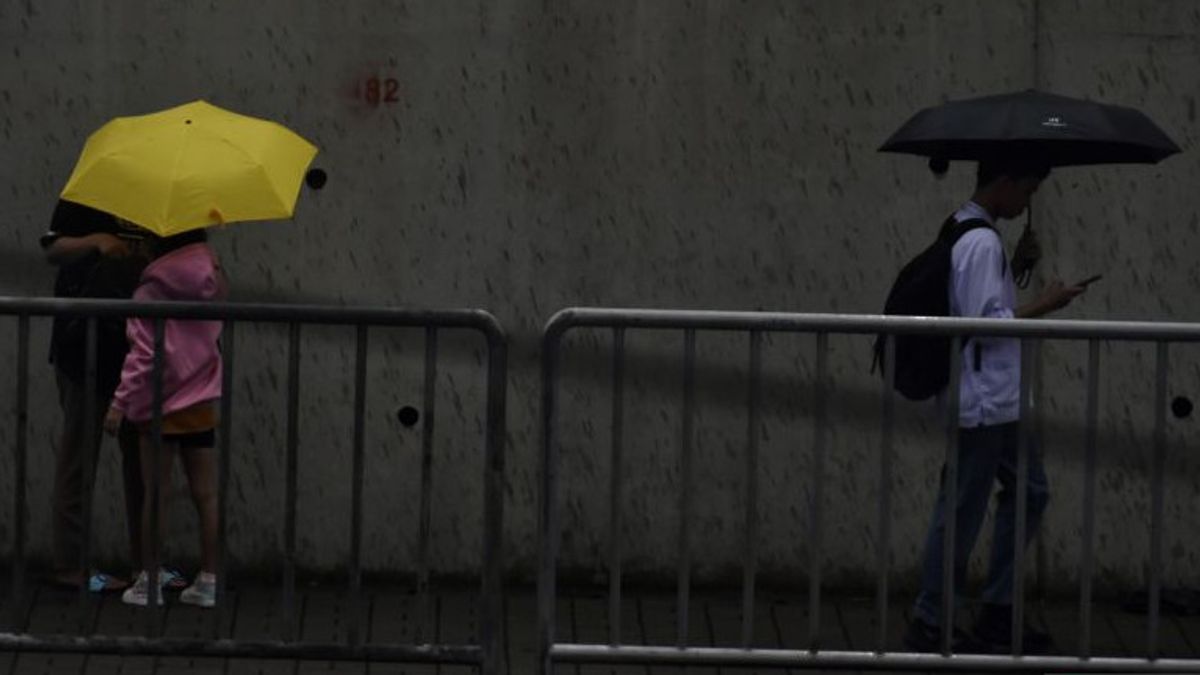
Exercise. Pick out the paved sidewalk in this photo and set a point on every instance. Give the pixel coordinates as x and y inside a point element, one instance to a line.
<point>392,615</point>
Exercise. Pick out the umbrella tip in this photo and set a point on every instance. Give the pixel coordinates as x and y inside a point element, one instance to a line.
<point>315,178</point>
<point>939,166</point>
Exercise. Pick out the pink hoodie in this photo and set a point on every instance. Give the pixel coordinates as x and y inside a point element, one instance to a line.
<point>191,360</point>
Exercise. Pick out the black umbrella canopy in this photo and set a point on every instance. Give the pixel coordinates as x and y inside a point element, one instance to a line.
<point>1058,130</point>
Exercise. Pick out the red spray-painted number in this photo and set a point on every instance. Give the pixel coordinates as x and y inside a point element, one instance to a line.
<point>375,90</point>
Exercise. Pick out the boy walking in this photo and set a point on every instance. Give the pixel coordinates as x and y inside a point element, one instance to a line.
<point>981,286</point>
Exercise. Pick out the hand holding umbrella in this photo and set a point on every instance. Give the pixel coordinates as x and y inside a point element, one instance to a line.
<point>1027,254</point>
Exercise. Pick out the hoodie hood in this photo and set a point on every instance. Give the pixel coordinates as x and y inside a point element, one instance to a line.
<point>187,273</point>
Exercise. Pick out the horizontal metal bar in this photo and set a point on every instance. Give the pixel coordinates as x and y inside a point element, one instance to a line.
<point>226,311</point>
<point>871,323</point>
<point>128,646</point>
<point>788,658</point>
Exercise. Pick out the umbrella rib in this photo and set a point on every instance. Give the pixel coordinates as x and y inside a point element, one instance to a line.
<point>164,223</point>
<point>258,167</point>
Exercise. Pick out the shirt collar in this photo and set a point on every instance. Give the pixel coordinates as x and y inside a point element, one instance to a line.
<point>973,210</point>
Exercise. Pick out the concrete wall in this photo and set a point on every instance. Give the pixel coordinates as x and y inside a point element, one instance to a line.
<point>705,154</point>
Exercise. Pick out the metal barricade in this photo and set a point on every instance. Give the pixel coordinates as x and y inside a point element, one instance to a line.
<point>822,325</point>
<point>486,655</point>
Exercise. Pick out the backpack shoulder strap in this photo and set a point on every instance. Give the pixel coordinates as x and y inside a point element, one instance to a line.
<point>952,231</point>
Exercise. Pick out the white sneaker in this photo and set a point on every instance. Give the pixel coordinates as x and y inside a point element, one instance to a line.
<point>139,593</point>
<point>202,592</point>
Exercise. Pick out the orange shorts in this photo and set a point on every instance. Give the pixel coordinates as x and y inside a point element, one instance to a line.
<point>192,427</point>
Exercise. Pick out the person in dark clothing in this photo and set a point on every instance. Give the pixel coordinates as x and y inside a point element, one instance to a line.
<point>94,259</point>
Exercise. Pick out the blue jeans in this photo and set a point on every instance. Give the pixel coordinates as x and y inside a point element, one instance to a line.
<point>985,454</point>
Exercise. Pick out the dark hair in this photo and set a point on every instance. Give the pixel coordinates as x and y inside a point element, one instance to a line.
<point>164,245</point>
<point>1015,168</point>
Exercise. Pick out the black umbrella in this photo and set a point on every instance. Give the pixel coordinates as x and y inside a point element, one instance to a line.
<point>1059,130</point>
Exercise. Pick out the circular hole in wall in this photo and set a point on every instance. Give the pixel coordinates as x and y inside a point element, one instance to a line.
<point>1181,407</point>
<point>408,415</point>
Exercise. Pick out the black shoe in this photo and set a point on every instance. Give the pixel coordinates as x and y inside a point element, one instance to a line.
<point>927,638</point>
<point>993,633</point>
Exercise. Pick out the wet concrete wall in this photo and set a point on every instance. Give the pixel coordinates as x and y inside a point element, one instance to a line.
<point>525,156</point>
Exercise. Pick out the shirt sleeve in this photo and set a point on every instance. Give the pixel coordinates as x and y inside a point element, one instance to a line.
<point>134,394</point>
<point>979,277</point>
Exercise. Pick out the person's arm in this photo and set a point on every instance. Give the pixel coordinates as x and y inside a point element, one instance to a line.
<point>978,279</point>
<point>1054,297</point>
<point>61,250</point>
<point>135,373</point>
<point>980,285</point>
<point>134,390</point>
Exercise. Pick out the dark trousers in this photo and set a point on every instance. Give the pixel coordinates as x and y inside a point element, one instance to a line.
<point>79,442</point>
<point>986,455</point>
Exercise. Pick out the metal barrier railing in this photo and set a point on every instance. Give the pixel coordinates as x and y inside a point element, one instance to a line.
<point>821,325</point>
<point>486,654</point>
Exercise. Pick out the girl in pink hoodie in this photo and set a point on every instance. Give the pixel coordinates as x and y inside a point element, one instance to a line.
<point>183,267</point>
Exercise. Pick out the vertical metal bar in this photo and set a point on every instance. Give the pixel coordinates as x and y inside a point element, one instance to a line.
<point>1039,446</point>
<point>1024,438</point>
<point>425,624</point>
<point>492,600</point>
<point>683,594</point>
<point>356,488</point>
<point>615,484</point>
<point>289,624</point>
<point>883,543</point>
<point>1089,501</point>
<point>89,453</point>
<point>154,488</point>
<point>20,464</point>
<point>1157,489</point>
<point>815,515</point>
<point>227,357</point>
<point>753,424</point>
<point>950,494</point>
<point>548,507</point>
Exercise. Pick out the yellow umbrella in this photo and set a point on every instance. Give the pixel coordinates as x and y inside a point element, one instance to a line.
<point>189,167</point>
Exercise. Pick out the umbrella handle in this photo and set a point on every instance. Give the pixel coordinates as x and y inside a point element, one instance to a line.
<point>1022,280</point>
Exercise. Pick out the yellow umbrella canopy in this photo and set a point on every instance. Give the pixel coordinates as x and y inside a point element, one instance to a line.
<point>189,167</point>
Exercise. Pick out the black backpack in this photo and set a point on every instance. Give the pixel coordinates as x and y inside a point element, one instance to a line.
<point>923,289</point>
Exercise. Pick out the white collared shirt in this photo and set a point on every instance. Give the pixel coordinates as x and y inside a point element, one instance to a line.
<point>981,286</point>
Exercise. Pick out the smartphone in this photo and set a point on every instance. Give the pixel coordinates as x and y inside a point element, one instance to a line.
<point>1089,280</point>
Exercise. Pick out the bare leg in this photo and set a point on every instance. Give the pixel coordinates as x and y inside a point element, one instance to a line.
<point>166,461</point>
<point>200,465</point>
